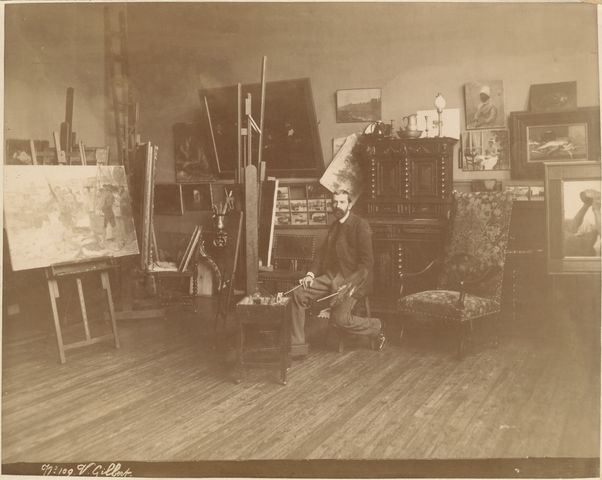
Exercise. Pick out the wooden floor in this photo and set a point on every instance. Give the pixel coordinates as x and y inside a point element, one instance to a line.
<point>166,396</point>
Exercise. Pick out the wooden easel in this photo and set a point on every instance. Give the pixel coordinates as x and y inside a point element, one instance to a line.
<point>76,270</point>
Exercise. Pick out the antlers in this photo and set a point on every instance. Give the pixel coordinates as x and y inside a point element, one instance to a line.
<point>224,207</point>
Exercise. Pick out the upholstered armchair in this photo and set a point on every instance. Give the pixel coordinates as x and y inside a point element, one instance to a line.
<point>469,276</point>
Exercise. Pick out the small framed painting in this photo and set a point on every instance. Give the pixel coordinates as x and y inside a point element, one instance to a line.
<point>197,197</point>
<point>358,105</point>
<point>485,150</point>
<point>553,97</point>
<point>484,104</point>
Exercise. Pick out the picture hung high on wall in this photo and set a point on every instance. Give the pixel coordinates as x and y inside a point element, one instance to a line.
<point>485,150</point>
<point>553,137</point>
<point>573,217</point>
<point>57,214</point>
<point>193,158</point>
<point>358,105</point>
<point>291,141</point>
<point>553,97</point>
<point>484,104</point>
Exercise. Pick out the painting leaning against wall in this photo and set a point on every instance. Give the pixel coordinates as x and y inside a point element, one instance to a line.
<point>57,214</point>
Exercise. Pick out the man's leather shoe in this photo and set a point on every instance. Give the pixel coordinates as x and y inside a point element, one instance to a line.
<point>379,342</point>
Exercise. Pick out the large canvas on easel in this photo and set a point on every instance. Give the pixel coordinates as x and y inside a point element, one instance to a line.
<point>58,214</point>
<point>291,141</point>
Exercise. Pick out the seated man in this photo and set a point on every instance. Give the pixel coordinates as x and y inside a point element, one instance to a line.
<point>343,264</point>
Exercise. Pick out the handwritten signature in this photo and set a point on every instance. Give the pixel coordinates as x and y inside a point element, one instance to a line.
<point>91,469</point>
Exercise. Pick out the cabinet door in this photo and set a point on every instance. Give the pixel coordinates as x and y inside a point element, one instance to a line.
<point>388,177</point>
<point>423,178</point>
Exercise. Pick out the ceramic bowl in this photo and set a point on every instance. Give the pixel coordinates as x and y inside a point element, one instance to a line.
<point>409,133</point>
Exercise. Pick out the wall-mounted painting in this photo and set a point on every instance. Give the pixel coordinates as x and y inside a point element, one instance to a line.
<point>484,104</point>
<point>485,150</point>
<point>291,141</point>
<point>553,137</point>
<point>168,199</point>
<point>573,217</point>
<point>358,105</point>
<point>193,157</point>
<point>58,214</point>
<point>553,97</point>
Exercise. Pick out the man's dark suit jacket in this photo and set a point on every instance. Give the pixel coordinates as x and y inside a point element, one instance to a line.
<point>354,253</point>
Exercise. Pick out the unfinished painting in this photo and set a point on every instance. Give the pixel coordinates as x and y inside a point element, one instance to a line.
<point>344,172</point>
<point>57,214</point>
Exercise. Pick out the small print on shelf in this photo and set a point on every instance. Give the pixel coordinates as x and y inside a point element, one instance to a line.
<point>318,218</point>
<point>299,218</point>
<point>526,192</point>
<point>283,219</point>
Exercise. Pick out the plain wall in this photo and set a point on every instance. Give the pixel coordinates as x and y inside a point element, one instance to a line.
<point>48,48</point>
<point>410,51</point>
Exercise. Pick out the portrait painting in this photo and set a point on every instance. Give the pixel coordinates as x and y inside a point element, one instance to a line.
<point>197,197</point>
<point>553,97</point>
<point>358,105</point>
<point>581,218</point>
<point>57,214</point>
<point>572,203</point>
<point>484,104</point>
<point>193,159</point>
<point>485,150</point>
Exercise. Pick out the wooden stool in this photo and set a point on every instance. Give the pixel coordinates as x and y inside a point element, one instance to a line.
<point>269,316</point>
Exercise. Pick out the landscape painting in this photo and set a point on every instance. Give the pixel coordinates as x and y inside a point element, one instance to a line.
<point>62,214</point>
<point>358,105</point>
<point>344,172</point>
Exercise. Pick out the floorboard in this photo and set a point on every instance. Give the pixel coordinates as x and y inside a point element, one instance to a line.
<point>167,395</point>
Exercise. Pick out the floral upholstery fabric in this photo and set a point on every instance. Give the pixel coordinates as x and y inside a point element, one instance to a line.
<point>478,237</point>
<point>443,304</point>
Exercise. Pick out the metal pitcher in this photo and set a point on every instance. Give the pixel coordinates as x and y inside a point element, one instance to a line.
<point>410,122</point>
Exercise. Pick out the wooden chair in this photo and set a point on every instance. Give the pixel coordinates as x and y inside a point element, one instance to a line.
<point>469,284</point>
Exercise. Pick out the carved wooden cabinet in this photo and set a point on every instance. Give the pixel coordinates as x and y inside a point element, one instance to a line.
<point>406,202</point>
